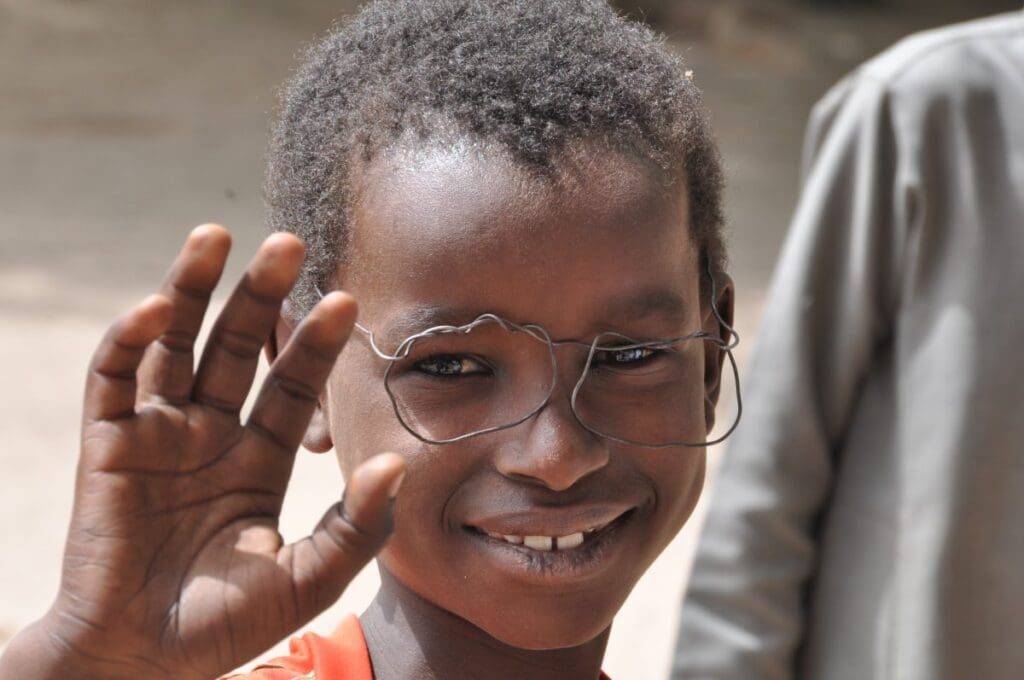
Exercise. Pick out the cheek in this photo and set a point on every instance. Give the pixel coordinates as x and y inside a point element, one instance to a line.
<point>691,493</point>
<point>425,551</point>
<point>361,420</point>
<point>680,481</point>
<point>363,424</point>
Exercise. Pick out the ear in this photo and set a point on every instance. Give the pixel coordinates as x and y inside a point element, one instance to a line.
<point>714,356</point>
<point>318,433</point>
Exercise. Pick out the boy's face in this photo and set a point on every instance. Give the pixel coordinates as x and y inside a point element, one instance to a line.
<point>458,233</point>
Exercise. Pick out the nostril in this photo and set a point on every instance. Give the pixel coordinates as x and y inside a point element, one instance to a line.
<point>552,449</point>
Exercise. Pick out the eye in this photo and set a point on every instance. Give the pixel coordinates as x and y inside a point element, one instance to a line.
<point>450,366</point>
<point>631,356</point>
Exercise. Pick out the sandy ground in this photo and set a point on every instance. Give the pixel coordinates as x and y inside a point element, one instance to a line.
<point>123,124</point>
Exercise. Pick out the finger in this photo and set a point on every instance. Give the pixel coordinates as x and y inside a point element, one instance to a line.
<point>166,372</point>
<point>110,388</point>
<point>290,392</point>
<point>348,536</point>
<point>232,353</point>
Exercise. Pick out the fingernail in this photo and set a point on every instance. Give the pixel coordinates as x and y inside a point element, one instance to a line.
<point>396,484</point>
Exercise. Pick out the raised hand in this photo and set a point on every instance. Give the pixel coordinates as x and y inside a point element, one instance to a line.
<point>174,566</point>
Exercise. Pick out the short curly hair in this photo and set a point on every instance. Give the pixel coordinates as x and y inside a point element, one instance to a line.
<point>532,76</point>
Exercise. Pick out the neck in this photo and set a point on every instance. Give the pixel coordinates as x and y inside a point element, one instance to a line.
<point>409,637</point>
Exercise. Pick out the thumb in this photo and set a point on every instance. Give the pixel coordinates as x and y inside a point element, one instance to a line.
<point>348,535</point>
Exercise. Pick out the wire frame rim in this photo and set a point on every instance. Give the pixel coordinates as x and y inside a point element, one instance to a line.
<point>540,334</point>
<point>533,330</point>
<point>722,345</point>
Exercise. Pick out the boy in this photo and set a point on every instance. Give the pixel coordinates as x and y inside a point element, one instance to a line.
<point>524,197</point>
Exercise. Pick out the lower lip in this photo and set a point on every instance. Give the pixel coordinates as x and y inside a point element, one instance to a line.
<point>555,567</point>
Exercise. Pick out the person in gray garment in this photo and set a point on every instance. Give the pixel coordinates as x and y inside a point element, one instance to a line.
<point>868,521</point>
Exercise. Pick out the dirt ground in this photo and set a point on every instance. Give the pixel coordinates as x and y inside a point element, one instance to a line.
<point>123,124</point>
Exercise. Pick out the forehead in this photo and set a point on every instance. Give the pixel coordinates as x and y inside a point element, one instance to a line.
<point>462,230</point>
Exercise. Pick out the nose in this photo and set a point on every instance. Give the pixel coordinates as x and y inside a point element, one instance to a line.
<point>553,450</point>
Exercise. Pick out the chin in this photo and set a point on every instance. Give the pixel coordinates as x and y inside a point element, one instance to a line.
<point>546,621</point>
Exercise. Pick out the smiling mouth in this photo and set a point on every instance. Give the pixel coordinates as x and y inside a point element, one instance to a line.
<point>549,543</point>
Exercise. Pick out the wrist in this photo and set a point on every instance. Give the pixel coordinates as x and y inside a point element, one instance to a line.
<point>30,656</point>
<point>40,652</point>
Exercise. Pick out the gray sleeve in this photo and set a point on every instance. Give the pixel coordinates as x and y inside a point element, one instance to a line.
<point>830,305</point>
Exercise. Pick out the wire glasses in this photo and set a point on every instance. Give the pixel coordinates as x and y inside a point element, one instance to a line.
<point>450,383</point>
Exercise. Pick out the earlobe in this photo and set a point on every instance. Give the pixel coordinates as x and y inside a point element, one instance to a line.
<point>318,432</point>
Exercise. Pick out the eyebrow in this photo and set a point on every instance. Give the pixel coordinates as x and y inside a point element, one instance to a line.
<point>645,303</point>
<point>616,313</point>
<point>418,319</point>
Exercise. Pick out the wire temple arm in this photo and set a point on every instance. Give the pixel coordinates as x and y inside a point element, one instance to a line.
<point>734,336</point>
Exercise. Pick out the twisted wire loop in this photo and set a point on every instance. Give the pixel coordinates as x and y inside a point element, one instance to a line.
<point>541,335</point>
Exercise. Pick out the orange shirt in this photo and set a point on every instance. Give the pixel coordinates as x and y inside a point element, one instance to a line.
<point>341,656</point>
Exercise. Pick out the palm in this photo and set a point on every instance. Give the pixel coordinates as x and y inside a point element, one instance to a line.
<point>174,566</point>
<point>180,537</point>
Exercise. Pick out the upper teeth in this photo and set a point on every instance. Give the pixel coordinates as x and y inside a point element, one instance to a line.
<point>544,543</point>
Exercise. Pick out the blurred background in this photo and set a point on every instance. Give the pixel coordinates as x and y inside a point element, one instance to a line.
<point>123,123</point>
